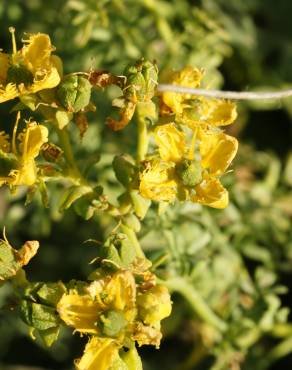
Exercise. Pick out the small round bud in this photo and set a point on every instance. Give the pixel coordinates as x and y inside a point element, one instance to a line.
<point>74,93</point>
<point>189,171</point>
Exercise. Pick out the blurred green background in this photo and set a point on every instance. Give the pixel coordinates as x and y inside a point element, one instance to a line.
<point>230,255</point>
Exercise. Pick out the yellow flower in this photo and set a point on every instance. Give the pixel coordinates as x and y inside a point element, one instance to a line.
<point>20,168</point>
<point>106,308</point>
<point>99,353</point>
<point>195,111</point>
<point>187,77</point>
<point>30,69</point>
<point>189,172</point>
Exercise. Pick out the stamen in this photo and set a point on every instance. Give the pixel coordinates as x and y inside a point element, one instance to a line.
<point>14,149</point>
<point>14,47</point>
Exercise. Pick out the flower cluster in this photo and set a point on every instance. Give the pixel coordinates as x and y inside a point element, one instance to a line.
<point>115,310</point>
<point>190,171</point>
<point>122,304</point>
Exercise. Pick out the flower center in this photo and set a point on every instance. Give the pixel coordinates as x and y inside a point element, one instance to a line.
<point>112,323</point>
<point>19,74</point>
<point>189,172</point>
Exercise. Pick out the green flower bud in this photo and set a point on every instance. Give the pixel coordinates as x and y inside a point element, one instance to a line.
<point>190,172</point>
<point>112,323</point>
<point>74,93</point>
<point>19,74</point>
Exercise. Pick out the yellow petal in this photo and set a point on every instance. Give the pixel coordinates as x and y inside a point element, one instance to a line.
<point>4,64</point>
<point>120,291</point>
<point>218,112</point>
<point>25,174</point>
<point>79,311</point>
<point>145,334</point>
<point>188,77</point>
<point>8,92</point>
<point>211,193</point>
<point>99,354</point>
<point>156,182</point>
<point>171,142</point>
<point>32,140</point>
<point>37,51</point>
<point>217,151</point>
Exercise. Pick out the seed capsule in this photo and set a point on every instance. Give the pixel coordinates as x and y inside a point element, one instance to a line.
<point>190,172</point>
<point>74,93</point>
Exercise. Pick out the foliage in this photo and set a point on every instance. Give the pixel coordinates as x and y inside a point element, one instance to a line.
<point>228,270</point>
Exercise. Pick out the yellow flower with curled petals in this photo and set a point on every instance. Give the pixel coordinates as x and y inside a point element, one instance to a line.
<point>106,308</point>
<point>187,77</point>
<point>30,69</point>
<point>193,176</point>
<point>99,353</point>
<point>19,167</point>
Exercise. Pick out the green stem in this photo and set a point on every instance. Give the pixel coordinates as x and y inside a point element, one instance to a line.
<point>182,286</point>
<point>68,152</point>
<point>133,238</point>
<point>143,137</point>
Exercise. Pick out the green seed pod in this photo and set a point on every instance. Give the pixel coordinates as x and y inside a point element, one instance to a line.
<point>74,93</point>
<point>19,74</point>
<point>141,81</point>
<point>112,323</point>
<point>190,172</point>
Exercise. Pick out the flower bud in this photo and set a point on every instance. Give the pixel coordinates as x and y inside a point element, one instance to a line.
<point>189,171</point>
<point>74,93</point>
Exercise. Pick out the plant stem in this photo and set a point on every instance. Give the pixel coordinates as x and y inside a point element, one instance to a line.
<point>143,137</point>
<point>68,152</point>
<point>182,286</point>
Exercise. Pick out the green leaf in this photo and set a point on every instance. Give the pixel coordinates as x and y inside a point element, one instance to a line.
<point>72,194</point>
<point>39,316</point>
<point>49,336</point>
